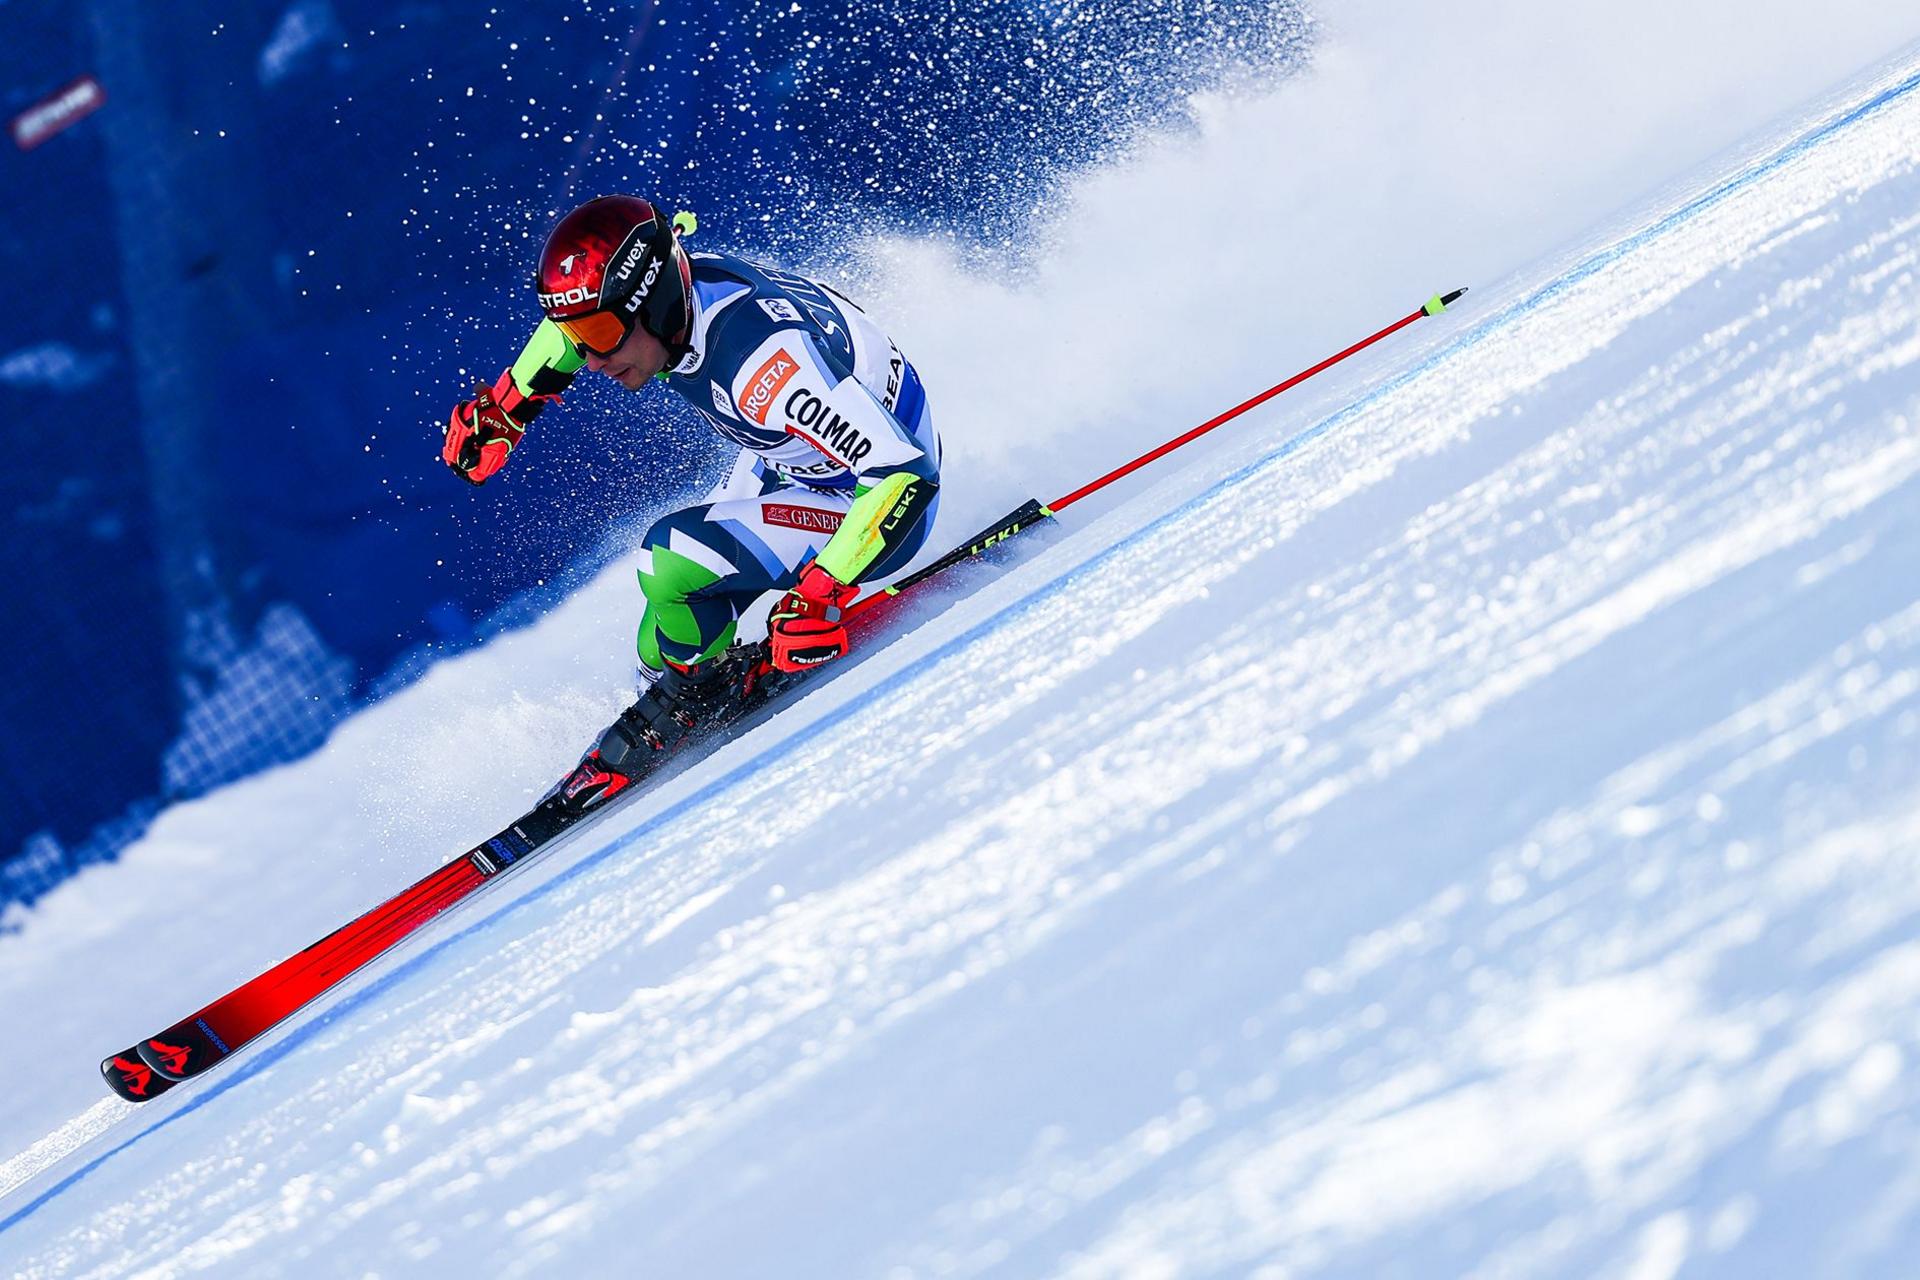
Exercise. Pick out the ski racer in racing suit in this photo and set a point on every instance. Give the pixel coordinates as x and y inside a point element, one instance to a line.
<point>837,478</point>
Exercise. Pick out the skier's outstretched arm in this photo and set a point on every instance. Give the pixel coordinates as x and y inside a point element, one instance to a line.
<point>484,430</point>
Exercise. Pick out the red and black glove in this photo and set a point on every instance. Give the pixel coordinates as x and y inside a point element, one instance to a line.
<point>805,629</point>
<point>484,430</point>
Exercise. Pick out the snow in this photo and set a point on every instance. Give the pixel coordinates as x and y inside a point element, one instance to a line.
<point>1464,822</point>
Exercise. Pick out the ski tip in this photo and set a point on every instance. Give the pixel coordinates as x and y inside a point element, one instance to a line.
<point>182,1051</point>
<point>131,1079</point>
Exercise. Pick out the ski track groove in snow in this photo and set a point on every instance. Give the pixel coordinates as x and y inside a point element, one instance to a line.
<point>1508,1051</point>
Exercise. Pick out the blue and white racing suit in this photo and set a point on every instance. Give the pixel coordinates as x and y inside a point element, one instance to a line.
<point>839,459</point>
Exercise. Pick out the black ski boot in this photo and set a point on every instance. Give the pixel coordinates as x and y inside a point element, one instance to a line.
<point>674,706</point>
<point>684,700</point>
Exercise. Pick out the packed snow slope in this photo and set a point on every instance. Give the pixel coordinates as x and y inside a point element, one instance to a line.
<point>1467,823</point>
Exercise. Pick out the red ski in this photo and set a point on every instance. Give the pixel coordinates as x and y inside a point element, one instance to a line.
<point>625,753</point>
<point>194,1044</point>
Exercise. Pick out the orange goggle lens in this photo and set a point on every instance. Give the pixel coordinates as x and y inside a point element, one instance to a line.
<point>600,332</point>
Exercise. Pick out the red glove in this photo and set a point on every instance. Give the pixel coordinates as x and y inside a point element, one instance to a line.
<point>805,627</point>
<point>483,430</point>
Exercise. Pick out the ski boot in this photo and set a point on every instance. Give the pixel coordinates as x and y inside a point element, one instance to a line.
<point>674,706</point>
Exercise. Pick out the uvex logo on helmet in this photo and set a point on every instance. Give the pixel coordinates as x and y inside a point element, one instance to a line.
<point>633,252</point>
<point>637,250</point>
<point>639,297</point>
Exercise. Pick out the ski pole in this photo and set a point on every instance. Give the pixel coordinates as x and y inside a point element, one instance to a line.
<point>1033,511</point>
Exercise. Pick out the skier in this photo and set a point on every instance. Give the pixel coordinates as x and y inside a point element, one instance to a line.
<point>837,478</point>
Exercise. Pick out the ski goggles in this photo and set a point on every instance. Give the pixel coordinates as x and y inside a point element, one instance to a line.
<point>600,332</point>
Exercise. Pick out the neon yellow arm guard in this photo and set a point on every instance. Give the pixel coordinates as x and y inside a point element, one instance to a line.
<point>547,363</point>
<point>880,518</point>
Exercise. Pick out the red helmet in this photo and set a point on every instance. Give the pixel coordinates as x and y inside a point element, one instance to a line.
<point>610,264</point>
